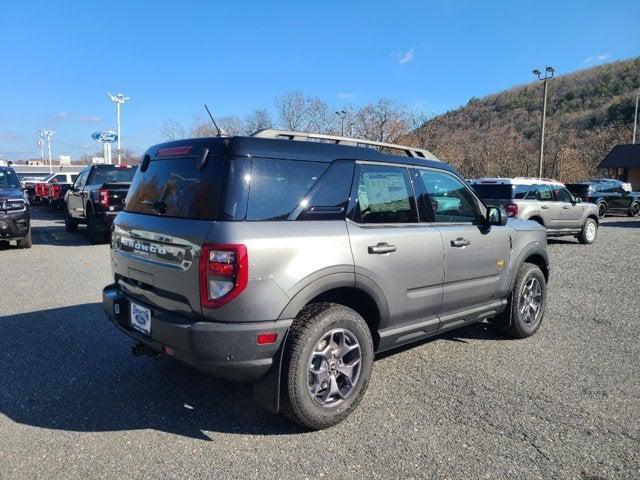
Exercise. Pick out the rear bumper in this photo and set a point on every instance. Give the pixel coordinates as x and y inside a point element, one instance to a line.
<point>14,224</point>
<point>225,350</point>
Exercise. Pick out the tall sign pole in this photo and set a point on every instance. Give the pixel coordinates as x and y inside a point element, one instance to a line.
<point>635,118</point>
<point>548,75</point>
<point>48,134</point>
<point>106,139</point>
<point>118,99</point>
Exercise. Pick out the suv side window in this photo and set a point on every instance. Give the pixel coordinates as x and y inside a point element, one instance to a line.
<point>543,193</point>
<point>532,194</point>
<point>562,194</point>
<point>450,200</point>
<point>520,192</point>
<point>384,195</point>
<point>279,186</point>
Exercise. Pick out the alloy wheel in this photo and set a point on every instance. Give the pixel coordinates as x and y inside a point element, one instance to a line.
<point>531,301</point>
<point>334,367</point>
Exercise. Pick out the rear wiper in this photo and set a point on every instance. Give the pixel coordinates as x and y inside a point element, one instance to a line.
<point>157,205</point>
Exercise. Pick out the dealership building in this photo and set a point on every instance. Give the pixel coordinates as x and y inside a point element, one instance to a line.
<point>624,158</point>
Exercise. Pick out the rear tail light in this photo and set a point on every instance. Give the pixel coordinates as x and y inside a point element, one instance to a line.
<point>224,273</point>
<point>103,196</point>
<point>512,209</point>
<point>267,338</point>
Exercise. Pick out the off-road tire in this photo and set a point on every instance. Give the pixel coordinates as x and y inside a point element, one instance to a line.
<point>310,326</point>
<point>510,321</point>
<point>585,237</point>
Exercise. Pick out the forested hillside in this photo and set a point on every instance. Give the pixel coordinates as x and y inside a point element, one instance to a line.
<point>588,112</point>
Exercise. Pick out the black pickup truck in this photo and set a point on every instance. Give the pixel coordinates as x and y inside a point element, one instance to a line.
<point>96,197</point>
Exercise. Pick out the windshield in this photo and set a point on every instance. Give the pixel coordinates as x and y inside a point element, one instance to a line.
<point>8,179</point>
<point>112,175</point>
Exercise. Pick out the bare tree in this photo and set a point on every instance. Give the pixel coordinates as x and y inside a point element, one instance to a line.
<point>202,128</point>
<point>173,130</point>
<point>302,113</point>
<point>231,125</point>
<point>259,119</point>
<point>383,121</point>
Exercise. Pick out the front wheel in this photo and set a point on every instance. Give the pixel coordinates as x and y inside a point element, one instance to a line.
<point>527,304</point>
<point>25,242</point>
<point>327,365</point>
<point>589,231</point>
<point>602,210</point>
<point>69,224</point>
<point>634,209</point>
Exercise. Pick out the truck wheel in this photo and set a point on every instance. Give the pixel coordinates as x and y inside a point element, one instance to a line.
<point>602,209</point>
<point>527,303</point>
<point>95,234</point>
<point>25,242</point>
<point>634,209</point>
<point>589,231</point>
<point>69,224</point>
<point>327,365</point>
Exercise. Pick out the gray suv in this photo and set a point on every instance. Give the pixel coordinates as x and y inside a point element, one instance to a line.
<point>288,260</point>
<point>547,202</point>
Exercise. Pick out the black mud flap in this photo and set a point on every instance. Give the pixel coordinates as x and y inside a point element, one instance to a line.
<point>266,392</point>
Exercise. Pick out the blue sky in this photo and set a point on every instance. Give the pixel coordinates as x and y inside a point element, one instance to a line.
<point>59,58</point>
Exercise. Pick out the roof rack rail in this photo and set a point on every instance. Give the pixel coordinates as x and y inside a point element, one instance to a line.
<point>339,140</point>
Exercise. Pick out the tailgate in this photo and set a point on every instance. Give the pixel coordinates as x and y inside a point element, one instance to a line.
<point>155,264</point>
<point>117,194</point>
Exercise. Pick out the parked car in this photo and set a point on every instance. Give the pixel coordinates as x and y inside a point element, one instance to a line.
<point>547,202</point>
<point>626,186</point>
<point>15,216</point>
<point>43,192</point>
<point>96,197</point>
<point>286,262</point>
<point>610,197</point>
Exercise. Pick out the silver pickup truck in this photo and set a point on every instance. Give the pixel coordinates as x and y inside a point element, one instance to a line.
<point>547,202</point>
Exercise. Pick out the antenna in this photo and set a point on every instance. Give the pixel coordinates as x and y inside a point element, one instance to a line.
<point>214,122</point>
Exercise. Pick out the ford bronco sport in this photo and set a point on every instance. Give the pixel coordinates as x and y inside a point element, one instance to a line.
<point>287,260</point>
<point>547,202</point>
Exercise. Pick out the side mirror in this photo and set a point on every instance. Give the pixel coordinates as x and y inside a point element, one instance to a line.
<point>496,216</point>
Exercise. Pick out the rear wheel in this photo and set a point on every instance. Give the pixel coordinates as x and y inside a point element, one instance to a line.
<point>527,304</point>
<point>327,365</point>
<point>69,224</point>
<point>96,235</point>
<point>25,242</point>
<point>602,209</point>
<point>589,231</point>
<point>634,209</point>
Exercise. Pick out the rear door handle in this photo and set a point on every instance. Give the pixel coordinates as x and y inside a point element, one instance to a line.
<point>544,206</point>
<point>380,248</point>
<point>460,242</point>
<point>566,207</point>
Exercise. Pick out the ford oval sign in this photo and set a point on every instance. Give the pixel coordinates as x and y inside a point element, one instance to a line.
<point>105,137</point>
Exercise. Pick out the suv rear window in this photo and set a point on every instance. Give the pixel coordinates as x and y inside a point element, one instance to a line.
<point>578,188</point>
<point>174,187</point>
<point>494,191</point>
<point>112,175</point>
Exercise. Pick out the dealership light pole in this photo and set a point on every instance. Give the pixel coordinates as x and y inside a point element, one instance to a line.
<point>342,114</point>
<point>48,134</point>
<point>118,99</point>
<point>40,143</point>
<point>635,118</point>
<point>548,75</point>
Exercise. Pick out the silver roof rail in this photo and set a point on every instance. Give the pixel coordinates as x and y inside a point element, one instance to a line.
<point>338,140</point>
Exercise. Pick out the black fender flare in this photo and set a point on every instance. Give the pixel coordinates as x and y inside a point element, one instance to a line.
<point>531,249</point>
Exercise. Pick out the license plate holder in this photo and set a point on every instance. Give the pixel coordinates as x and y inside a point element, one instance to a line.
<point>141,318</point>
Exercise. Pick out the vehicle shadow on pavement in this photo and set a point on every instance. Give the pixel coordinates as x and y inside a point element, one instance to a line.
<point>69,369</point>
<point>622,224</point>
<point>476,331</point>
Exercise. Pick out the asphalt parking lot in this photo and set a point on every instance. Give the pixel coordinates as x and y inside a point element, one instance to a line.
<point>74,402</point>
